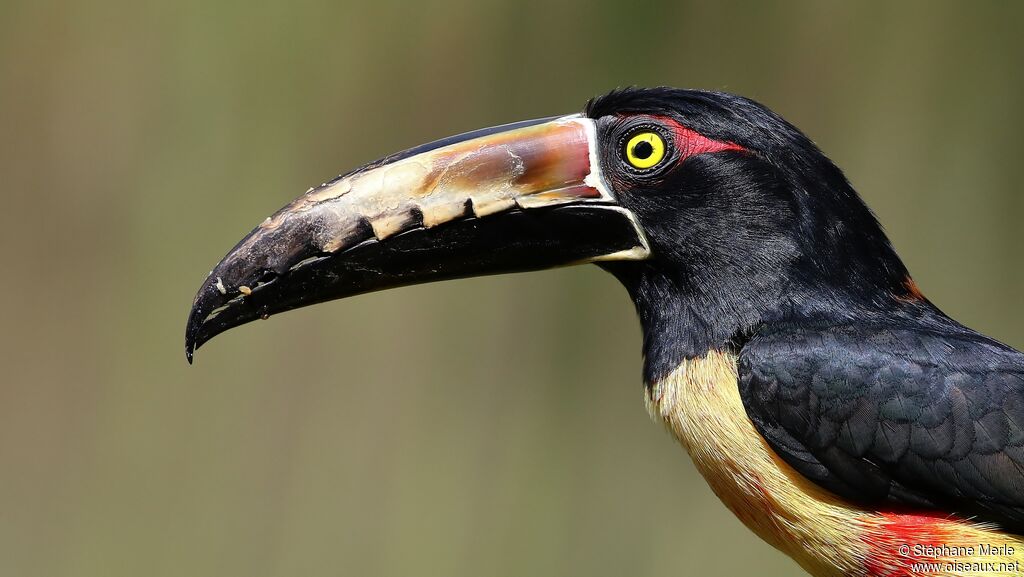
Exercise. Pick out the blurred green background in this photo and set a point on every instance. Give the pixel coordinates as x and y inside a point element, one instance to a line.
<point>487,427</point>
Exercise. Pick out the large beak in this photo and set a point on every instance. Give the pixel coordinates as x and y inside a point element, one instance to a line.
<point>519,197</point>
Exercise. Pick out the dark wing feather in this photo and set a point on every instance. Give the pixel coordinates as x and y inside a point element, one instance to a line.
<point>914,416</point>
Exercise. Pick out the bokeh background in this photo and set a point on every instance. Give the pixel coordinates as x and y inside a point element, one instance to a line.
<point>487,427</point>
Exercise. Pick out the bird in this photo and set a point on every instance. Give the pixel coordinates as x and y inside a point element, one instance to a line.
<point>833,408</point>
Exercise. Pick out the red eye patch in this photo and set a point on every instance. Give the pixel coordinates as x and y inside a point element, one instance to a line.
<point>691,143</point>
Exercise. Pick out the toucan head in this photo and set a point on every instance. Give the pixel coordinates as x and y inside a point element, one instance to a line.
<point>714,212</point>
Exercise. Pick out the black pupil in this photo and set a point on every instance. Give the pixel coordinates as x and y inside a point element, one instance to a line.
<point>643,150</point>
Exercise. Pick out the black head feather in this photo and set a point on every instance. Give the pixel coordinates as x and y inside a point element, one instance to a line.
<point>741,238</point>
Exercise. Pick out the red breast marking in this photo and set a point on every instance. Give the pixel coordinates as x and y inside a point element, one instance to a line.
<point>691,143</point>
<point>902,540</point>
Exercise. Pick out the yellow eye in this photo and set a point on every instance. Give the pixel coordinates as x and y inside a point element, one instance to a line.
<point>645,150</point>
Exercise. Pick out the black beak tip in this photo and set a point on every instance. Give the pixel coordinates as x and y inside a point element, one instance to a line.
<point>217,309</point>
<point>206,301</point>
<point>190,346</point>
<point>191,334</point>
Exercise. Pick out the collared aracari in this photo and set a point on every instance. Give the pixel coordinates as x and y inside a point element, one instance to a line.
<point>833,408</point>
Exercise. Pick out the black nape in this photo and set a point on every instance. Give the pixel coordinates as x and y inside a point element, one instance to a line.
<point>744,238</point>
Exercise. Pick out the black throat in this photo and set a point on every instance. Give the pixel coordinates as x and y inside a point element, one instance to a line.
<point>718,275</point>
<point>773,233</point>
<point>686,316</point>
